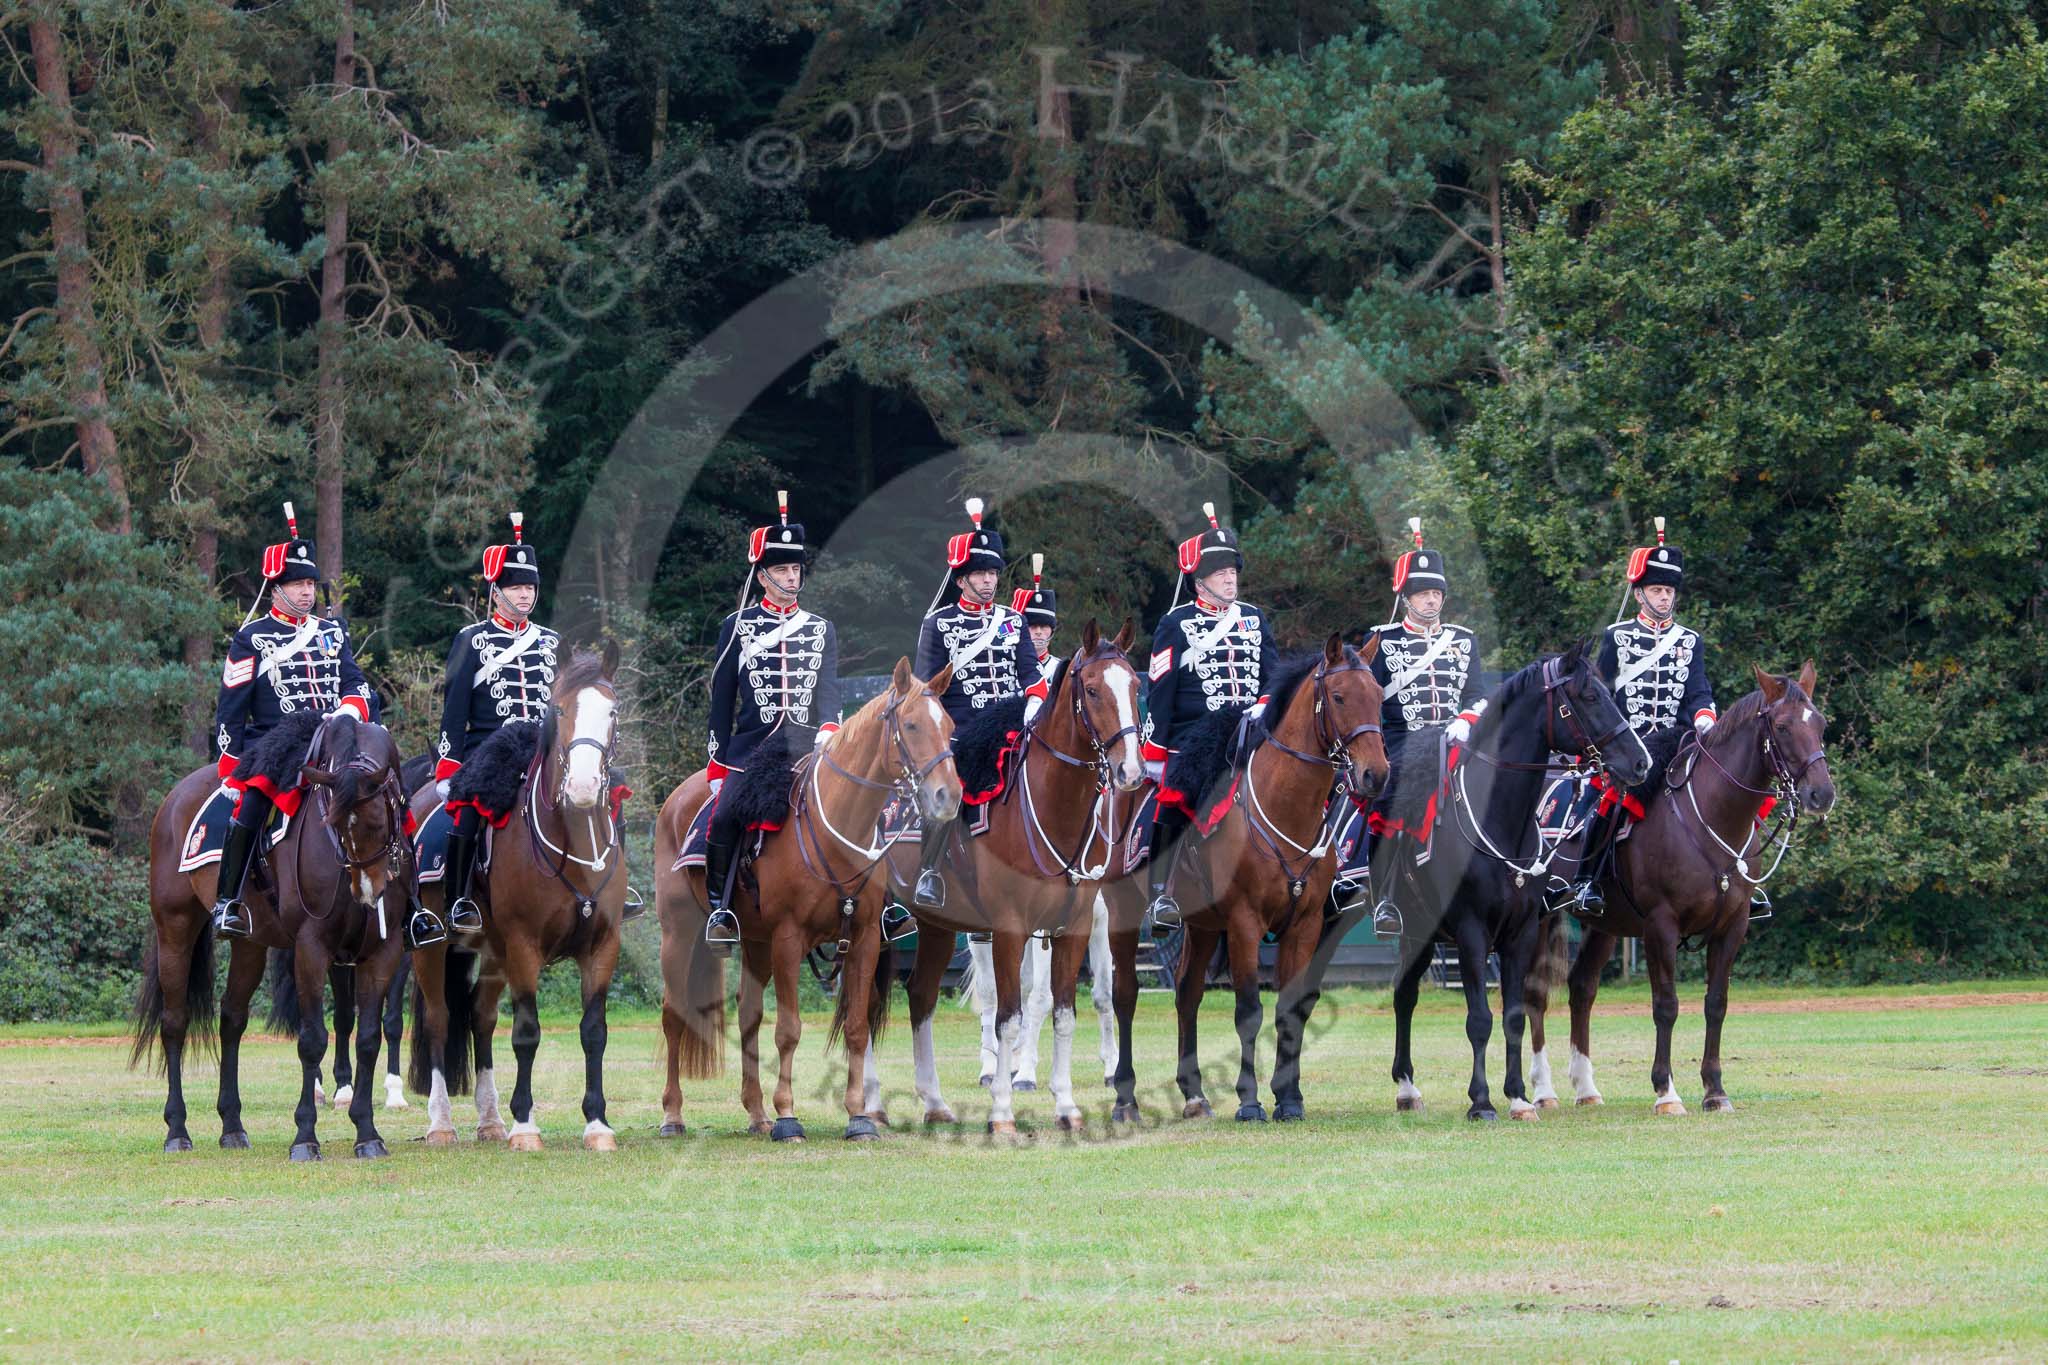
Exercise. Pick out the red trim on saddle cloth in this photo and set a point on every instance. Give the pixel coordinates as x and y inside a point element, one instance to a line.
<point>287,800</point>
<point>496,819</point>
<point>1611,795</point>
<point>1003,756</point>
<point>1205,822</point>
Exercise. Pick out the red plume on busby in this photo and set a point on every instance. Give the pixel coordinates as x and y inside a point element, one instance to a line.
<point>506,565</point>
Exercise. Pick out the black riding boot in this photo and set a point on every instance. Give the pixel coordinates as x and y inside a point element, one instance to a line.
<point>423,928</point>
<point>931,887</point>
<point>230,916</point>
<point>1759,903</point>
<point>722,928</point>
<point>463,915</point>
<point>1163,910</point>
<point>1386,915</point>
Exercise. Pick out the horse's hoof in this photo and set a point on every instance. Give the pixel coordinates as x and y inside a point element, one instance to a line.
<point>1072,1123</point>
<point>862,1129</point>
<point>524,1142</point>
<point>787,1130</point>
<point>397,1102</point>
<point>759,1127</point>
<point>372,1149</point>
<point>1002,1127</point>
<point>1670,1107</point>
<point>1478,1115</point>
<point>672,1130</point>
<point>879,1118</point>
<point>1251,1113</point>
<point>988,1079</point>
<point>1024,1085</point>
<point>486,1132</point>
<point>1408,1104</point>
<point>237,1141</point>
<point>600,1142</point>
<point>445,1137</point>
<point>1586,1100</point>
<point>183,1144</point>
<point>305,1151</point>
<point>1289,1111</point>
<point>1547,1102</point>
<point>1528,1115</point>
<point>1124,1113</point>
<point>939,1115</point>
<point>1719,1104</point>
<point>343,1095</point>
<point>1197,1109</point>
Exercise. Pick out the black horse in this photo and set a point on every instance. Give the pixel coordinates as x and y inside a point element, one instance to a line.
<point>1481,887</point>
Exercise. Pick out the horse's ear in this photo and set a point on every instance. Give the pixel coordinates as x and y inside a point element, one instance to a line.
<point>1091,636</point>
<point>940,681</point>
<point>610,657</point>
<point>1772,686</point>
<point>1126,637</point>
<point>1372,647</point>
<point>903,680</point>
<point>1808,679</point>
<point>319,777</point>
<point>1333,650</point>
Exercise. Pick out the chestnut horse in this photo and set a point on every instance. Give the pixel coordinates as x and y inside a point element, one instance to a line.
<point>1051,839</point>
<point>1687,868</point>
<point>1267,868</point>
<point>555,889</point>
<point>324,902</point>
<point>815,883</point>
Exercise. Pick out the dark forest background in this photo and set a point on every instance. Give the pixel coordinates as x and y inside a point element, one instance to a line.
<point>1774,271</point>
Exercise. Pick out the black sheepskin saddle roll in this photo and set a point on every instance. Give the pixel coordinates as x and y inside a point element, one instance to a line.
<point>490,778</point>
<point>1197,775</point>
<point>1414,778</point>
<point>760,794</point>
<point>278,756</point>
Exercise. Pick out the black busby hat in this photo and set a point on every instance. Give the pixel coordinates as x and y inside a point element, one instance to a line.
<point>1420,569</point>
<point>979,548</point>
<point>1036,603</point>
<point>1651,565</point>
<point>507,565</point>
<point>782,543</point>
<point>293,560</point>
<point>1215,548</point>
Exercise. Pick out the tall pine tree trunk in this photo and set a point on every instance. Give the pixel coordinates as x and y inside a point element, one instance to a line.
<point>215,301</point>
<point>328,433</point>
<point>76,323</point>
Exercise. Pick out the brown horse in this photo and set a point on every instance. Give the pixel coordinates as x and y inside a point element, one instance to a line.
<point>555,889</point>
<point>323,902</point>
<point>1051,838</point>
<point>1686,870</point>
<point>1267,869</point>
<point>814,884</point>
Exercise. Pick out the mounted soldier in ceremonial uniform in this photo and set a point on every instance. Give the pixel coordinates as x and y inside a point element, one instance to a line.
<point>1429,670</point>
<point>1212,652</point>
<point>1658,670</point>
<point>1041,613</point>
<point>286,661</point>
<point>501,669</point>
<point>774,693</point>
<point>988,647</point>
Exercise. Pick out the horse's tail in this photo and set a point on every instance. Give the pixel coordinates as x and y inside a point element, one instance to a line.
<point>878,1001</point>
<point>977,988</point>
<point>458,990</point>
<point>200,1006</point>
<point>285,1015</point>
<point>1185,950</point>
<point>700,980</point>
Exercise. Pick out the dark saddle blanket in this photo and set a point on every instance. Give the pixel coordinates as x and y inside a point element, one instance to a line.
<point>207,835</point>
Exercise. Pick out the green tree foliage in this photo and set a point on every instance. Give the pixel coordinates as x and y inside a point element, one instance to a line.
<point>1797,305</point>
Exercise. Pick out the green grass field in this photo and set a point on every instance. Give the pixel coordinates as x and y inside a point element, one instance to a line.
<point>1882,1192</point>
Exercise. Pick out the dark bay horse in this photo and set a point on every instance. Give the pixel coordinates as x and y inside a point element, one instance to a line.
<point>1687,867</point>
<point>1482,886</point>
<point>555,889</point>
<point>1052,837</point>
<point>815,881</point>
<point>1267,869</point>
<point>324,901</point>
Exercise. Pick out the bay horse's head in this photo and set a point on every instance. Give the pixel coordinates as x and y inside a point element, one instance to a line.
<point>1346,720</point>
<point>355,764</point>
<point>1793,729</point>
<point>583,726</point>
<point>1582,717</point>
<point>920,738</point>
<point>1103,684</point>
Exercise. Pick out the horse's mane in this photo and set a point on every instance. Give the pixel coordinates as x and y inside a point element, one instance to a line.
<point>585,669</point>
<point>1513,686</point>
<point>1287,680</point>
<point>1737,716</point>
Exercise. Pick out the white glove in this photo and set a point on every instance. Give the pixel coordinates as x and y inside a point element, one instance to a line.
<point>1031,706</point>
<point>716,783</point>
<point>1702,723</point>
<point>1155,768</point>
<point>1255,710</point>
<point>1458,731</point>
<point>818,741</point>
<point>441,790</point>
